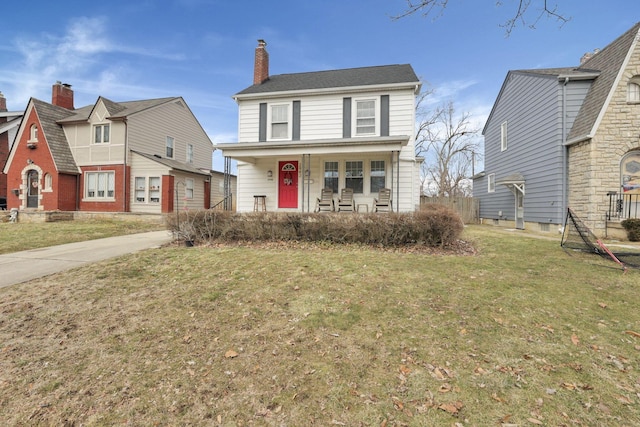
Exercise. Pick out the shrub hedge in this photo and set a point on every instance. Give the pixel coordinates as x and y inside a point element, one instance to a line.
<point>435,225</point>
<point>632,226</point>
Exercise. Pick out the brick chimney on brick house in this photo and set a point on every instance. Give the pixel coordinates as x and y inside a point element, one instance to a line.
<point>261,66</point>
<point>62,95</point>
<point>3,103</point>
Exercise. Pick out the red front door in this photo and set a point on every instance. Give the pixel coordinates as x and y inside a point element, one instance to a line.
<point>288,184</point>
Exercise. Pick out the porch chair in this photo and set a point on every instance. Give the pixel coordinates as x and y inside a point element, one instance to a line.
<point>345,202</point>
<point>325,202</point>
<point>383,202</point>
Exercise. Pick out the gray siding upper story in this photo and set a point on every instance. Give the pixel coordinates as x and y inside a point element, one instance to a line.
<point>532,105</point>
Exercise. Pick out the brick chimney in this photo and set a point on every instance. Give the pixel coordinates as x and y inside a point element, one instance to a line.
<point>261,66</point>
<point>3,102</point>
<point>62,95</point>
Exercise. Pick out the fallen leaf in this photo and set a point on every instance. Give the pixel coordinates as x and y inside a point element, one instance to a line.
<point>547,328</point>
<point>452,408</point>
<point>602,305</point>
<point>632,333</point>
<point>445,388</point>
<point>230,354</point>
<point>405,370</point>
<point>534,421</point>
<point>574,339</point>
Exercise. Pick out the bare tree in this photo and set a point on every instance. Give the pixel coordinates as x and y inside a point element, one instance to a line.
<point>523,15</point>
<point>449,144</point>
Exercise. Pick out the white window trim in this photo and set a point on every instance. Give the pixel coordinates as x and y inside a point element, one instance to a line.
<point>189,186</point>
<point>354,116</point>
<point>48,183</point>
<point>147,190</point>
<point>503,136</point>
<point>96,198</point>
<point>189,156</point>
<point>101,126</point>
<point>173,147</point>
<point>633,88</point>
<point>491,183</point>
<point>33,133</point>
<point>289,136</point>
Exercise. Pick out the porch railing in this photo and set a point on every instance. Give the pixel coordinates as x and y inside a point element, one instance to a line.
<point>623,206</point>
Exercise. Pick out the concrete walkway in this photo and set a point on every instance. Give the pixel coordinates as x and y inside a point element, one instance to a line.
<point>20,267</point>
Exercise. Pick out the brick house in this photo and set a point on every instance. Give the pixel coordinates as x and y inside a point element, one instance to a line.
<point>148,156</point>
<point>566,137</point>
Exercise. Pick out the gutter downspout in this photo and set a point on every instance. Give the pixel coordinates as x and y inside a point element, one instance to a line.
<point>565,149</point>
<point>124,165</point>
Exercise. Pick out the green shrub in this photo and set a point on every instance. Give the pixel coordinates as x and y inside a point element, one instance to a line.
<point>632,226</point>
<point>434,226</point>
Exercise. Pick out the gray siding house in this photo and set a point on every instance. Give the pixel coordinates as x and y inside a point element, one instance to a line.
<point>561,137</point>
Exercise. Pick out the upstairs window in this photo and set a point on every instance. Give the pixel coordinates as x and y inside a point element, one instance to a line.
<point>33,134</point>
<point>101,134</point>
<point>366,117</point>
<point>169,147</point>
<point>280,121</point>
<point>633,90</point>
<point>503,136</point>
<point>190,154</point>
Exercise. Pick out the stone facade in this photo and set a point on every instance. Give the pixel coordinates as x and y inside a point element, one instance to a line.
<point>594,165</point>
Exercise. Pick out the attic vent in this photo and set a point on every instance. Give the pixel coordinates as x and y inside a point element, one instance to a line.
<point>180,104</point>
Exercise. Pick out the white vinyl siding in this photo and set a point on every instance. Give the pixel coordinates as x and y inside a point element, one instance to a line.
<point>148,131</point>
<point>321,116</point>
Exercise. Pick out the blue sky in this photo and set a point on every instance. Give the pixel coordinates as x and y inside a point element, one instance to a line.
<point>203,50</point>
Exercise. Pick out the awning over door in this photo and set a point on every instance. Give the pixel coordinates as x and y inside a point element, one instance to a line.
<point>514,182</point>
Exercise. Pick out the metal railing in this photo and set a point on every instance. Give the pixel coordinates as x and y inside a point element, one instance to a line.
<point>623,206</point>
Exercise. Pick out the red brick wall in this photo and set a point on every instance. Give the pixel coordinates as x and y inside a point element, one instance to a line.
<point>39,157</point>
<point>4,155</point>
<point>207,194</point>
<point>67,190</point>
<point>167,193</point>
<point>119,204</point>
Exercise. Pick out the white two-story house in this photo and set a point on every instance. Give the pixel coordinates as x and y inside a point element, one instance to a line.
<point>300,133</point>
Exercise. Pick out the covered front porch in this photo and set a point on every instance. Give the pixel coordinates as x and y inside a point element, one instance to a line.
<point>291,175</point>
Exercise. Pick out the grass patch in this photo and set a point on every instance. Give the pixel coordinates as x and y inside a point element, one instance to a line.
<point>520,333</point>
<point>24,236</point>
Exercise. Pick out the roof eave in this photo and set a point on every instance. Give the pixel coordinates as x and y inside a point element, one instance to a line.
<point>415,86</point>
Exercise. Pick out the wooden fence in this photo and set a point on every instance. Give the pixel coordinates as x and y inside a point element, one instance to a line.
<point>467,207</point>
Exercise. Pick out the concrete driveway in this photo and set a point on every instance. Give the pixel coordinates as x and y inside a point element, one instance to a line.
<point>20,267</point>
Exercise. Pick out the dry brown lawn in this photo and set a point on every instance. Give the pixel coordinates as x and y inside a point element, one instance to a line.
<point>519,333</point>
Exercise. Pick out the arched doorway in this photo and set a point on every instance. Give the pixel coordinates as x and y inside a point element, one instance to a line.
<point>630,173</point>
<point>33,190</point>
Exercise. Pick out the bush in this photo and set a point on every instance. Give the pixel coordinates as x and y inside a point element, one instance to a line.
<point>434,226</point>
<point>632,226</point>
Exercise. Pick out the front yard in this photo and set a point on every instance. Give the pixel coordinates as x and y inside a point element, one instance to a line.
<point>519,333</point>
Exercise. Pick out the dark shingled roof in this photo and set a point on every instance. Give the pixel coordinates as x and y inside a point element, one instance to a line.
<point>352,77</point>
<point>116,109</point>
<point>49,115</point>
<point>609,62</point>
<point>173,164</point>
